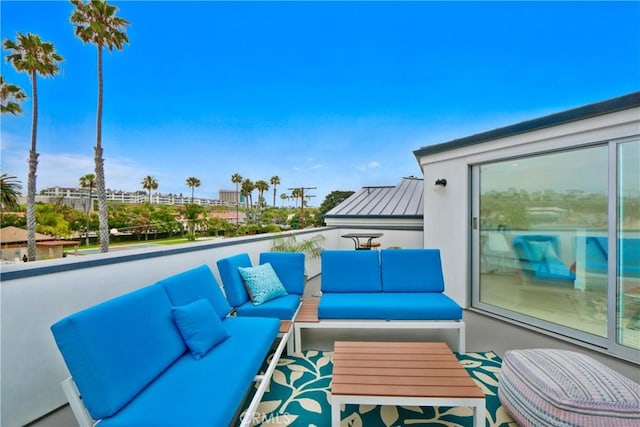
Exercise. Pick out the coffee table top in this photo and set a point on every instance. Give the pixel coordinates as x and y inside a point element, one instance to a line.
<point>411,369</point>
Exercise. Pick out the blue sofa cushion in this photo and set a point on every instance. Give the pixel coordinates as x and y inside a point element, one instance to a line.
<point>262,283</point>
<point>115,349</point>
<point>289,266</point>
<point>350,271</point>
<point>411,270</point>
<point>186,287</point>
<point>205,392</point>
<point>389,306</point>
<point>231,279</point>
<point>200,326</point>
<point>282,308</point>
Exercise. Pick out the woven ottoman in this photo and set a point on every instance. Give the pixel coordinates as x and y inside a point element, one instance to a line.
<point>545,387</point>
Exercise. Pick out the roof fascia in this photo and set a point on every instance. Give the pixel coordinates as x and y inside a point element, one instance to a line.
<point>613,105</point>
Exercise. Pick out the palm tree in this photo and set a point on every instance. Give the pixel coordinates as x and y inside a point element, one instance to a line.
<point>247,188</point>
<point>275,181</point>
<point>88,181</point>
<point>149,183</point>
<point>33,56</point>
<point>236,178</point>
<point>261,186</point>
<point>296,193</point>
<point>96,22</point>
<point>11,96</point>
<point>192,213</point>
<point>193,183</point>
<point>10,190</point>
<point>283,197</point>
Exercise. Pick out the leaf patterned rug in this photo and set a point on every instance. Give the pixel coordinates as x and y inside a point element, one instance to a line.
<point>300,391</point>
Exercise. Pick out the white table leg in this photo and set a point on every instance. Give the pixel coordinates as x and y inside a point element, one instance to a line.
<point>479,415</point>
<point>335,413</point>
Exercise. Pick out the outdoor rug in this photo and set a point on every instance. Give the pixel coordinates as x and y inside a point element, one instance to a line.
<point>299,395</point>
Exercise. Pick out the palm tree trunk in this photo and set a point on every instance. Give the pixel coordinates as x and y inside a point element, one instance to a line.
<point>103,216</point>
<point>237,205</point>
<point>31,180</point>
<point>89,209</point>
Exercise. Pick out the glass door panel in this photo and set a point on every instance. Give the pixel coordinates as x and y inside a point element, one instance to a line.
<point>628,245</point>
<point>542,231</point>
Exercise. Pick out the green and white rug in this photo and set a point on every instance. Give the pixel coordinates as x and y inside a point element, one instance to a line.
<point>300,389</point>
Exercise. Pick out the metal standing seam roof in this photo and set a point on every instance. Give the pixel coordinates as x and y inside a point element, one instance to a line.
<point>403,200</point>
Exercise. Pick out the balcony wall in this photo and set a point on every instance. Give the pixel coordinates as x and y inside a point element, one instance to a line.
<point>35,295</point>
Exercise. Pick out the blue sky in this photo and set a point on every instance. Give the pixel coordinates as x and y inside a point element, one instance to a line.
<point>333,95</point>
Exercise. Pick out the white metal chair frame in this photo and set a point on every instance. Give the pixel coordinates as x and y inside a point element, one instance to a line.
<point>84,419</point>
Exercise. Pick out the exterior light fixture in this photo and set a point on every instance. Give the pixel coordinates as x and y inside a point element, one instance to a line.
<point>442,182</point>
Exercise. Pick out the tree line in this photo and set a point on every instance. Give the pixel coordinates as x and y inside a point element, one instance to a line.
<point>147,220</point>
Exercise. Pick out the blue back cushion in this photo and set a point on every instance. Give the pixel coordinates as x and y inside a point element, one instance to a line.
<point>289,266</point>
<point>411,270</point>
<point>232,280</point>
<point>115,349</point>
<point>350,271</point>
<point>186,287</point>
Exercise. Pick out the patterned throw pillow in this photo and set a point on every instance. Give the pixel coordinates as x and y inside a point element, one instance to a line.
<point>262,283</point>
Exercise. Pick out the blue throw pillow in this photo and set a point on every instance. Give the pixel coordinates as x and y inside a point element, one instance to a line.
<point>200,326</point>
<point>262,283</point>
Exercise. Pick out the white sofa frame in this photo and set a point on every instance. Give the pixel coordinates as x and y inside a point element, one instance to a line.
<point>379,324</point>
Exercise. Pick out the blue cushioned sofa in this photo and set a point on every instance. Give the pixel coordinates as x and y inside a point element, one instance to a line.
<point>289,266</point>
<point>132,367</point>
<point>538,257</point>
<point>597,250</point>
<point>390,288</point>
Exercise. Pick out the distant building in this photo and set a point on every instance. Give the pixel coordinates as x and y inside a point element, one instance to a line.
<point>77,198</point>
<point>13,241</point>
<point>231,217</point>
<point>229,196</point>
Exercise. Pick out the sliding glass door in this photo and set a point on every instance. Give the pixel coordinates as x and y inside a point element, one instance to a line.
<point>541,241</point>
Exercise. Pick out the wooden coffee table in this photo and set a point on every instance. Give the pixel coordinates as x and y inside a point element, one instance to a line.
<point>401,373</point>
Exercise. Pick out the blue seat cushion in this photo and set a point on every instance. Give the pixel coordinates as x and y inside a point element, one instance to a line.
<point>350,271</point>
<point>289,266</point>
<point>389,306</point>
<point>231,279</point>
<point>411,270</point>
<point>115,349</point>
<point>205,392</point>
<point>186,287</point>
<point>282,308</point>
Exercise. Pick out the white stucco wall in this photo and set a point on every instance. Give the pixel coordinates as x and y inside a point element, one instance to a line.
<point>447,211</point>
<point>447,223</point>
